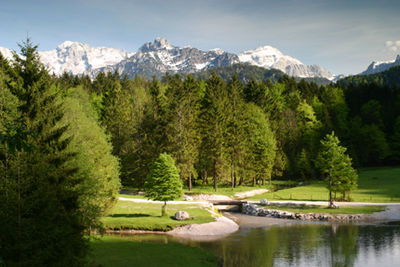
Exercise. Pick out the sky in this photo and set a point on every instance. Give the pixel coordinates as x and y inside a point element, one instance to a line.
<point>344,36</point>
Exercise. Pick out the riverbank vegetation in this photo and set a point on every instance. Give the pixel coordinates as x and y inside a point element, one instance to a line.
<point>118,251</point>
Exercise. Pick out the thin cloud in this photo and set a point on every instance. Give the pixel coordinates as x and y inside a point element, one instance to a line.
<point>393,45</point>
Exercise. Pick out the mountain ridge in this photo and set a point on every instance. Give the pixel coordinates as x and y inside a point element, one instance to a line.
<point>381,66</point>
<point>158,57</point>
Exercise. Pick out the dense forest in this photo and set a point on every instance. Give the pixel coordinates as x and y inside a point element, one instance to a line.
<point>241,132</point>
<point>67,142</point>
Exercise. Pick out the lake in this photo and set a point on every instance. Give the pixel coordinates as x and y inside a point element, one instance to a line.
<point>274,242</point>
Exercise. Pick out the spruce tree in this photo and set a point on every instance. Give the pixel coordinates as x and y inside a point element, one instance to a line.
<point>44,225</point>
<point>336,166</point>
<point>235,134</point>
<point>212,123</point>
<point>163,182</point>
<point>182,132</point>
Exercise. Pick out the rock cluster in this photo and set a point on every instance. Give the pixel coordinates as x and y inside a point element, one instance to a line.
<point>254,210</point>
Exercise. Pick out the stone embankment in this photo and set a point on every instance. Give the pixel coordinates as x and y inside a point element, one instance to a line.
<point>254,210</point>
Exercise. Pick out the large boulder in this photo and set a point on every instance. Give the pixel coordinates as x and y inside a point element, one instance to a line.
<point>181,215</point>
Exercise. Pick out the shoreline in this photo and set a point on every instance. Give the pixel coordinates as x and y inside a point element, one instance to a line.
<point>226,225</point>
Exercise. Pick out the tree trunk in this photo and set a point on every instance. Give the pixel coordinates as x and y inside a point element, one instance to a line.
<point>241,180</point>
<point>263,182</point>
<point>19,203</point>
<point>254,181</point>
<point>215,175</point>
<point>190,182</point>
<point>205,180</point>
<point>164,209</point>
<point>232,179</point>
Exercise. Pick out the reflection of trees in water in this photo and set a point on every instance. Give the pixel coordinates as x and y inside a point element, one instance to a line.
<point>379,238</point>
<point>343,245</point>
<point>296,245</point>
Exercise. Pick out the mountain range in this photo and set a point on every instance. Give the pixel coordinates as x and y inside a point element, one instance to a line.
<point>159,57</point>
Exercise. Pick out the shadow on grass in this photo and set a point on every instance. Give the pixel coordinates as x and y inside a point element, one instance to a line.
<point>137,215</point>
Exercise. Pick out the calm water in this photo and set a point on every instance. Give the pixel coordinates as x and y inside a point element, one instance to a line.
<point>303,244</point>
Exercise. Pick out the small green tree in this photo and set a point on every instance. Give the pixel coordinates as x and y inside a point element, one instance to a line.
<point>163,182</point>
<point>336,166</point>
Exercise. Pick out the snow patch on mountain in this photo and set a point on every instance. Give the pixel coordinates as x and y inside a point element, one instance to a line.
<point>79,58</point>
<point>271,58</point>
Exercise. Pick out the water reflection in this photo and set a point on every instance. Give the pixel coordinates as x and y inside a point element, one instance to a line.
<point>304,245</point>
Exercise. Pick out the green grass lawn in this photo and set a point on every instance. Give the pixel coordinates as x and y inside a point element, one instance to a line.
<point>381,185</point>
<point>147,216</point>
<point>322,209</point>
<point>116,251</point>
<point>132,196</point>
<point>222,189</point>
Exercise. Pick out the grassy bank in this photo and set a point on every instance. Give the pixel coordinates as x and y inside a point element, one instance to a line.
<point>119,251</point>
<point>324,209</point>
<point>147,216</point>
<point>222,190</point>
<point>381,185</point>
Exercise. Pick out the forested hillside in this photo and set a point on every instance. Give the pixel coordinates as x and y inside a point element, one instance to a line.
<point>389,78</point>
<point>246,72</point>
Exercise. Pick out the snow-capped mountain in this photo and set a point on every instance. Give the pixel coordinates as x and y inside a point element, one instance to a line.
<point>380,66</point>
<point>271,58</point>
<point>78,58</point>
<point>159,57</point>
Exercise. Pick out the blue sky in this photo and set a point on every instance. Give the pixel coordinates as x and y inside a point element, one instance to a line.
<point>343,36</point>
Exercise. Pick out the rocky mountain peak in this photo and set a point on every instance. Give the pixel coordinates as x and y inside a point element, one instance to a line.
<point>158,44</point>
<point>380,66</point>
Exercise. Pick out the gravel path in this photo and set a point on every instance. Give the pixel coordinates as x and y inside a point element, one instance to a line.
<point>251,193</point>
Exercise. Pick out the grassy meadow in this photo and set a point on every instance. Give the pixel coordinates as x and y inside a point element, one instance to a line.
<point>147,216</point>
<point>380,185</point>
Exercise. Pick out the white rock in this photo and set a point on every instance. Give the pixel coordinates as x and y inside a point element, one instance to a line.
<point>181,215</point>
<point>187,198</point>
<point>264,201</point>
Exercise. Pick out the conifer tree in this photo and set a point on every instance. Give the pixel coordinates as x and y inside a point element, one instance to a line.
<point>234,130</point>
<point>44,224</point>
<point>212,122</point>
<point>163,182</point>
<point>260,145</point>
<point>335,165</point>
<point>98,169</point>
<point>182,132</point>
